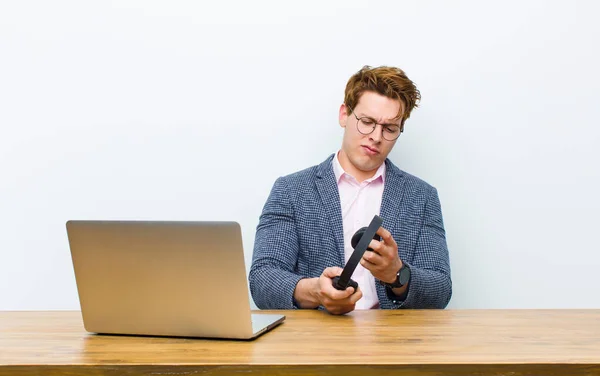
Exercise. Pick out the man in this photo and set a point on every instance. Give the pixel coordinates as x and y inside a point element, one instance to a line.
<point>303,238</point>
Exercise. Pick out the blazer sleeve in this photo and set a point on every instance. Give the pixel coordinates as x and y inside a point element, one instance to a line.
<point>272,276</point>
<point>430,283</point>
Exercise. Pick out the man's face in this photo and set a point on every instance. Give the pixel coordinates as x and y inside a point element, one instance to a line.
<point>362,153</point>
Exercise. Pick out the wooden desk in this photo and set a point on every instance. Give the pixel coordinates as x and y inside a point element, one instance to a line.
<point>451,342</point>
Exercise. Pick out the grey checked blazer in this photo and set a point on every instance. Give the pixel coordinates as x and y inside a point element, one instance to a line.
<point>300,233</point>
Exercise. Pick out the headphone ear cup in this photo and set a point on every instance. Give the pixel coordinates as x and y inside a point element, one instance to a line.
<point>358,234</point>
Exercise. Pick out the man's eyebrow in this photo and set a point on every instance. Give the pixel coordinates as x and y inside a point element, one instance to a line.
<point>362,114</point>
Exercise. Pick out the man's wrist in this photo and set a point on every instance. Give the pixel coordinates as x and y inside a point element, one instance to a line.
<point>305,294</point>
<point>314,291</point>
<point>397,291</point>
<point>393,276</point>
<point>401,278</point>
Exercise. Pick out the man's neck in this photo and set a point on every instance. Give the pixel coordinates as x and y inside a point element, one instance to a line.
<point>349,168</point>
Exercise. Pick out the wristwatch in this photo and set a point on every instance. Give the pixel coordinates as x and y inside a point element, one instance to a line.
<point>402,277</point>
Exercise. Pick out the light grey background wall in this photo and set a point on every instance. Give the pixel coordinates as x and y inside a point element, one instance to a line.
<point>187,110</point>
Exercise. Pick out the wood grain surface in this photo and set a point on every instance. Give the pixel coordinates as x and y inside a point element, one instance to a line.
<point>382,342</point>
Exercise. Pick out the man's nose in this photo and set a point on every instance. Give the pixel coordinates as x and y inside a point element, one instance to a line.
<point>377,133</point>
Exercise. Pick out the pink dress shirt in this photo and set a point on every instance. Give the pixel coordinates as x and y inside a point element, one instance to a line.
<point>360,202</point>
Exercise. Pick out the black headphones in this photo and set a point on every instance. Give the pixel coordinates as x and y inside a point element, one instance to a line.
<point>358,234</point>
<point>360,242</point>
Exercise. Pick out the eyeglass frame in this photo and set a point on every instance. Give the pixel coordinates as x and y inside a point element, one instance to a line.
<point>375,123</point>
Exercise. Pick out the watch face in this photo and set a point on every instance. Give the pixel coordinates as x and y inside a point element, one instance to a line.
<point>404,276</point>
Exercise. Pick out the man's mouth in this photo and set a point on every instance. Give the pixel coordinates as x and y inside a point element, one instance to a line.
<point>370,150</point>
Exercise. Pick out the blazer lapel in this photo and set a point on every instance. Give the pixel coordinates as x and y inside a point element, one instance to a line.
<point>330,197</point>
<point>393,194</point>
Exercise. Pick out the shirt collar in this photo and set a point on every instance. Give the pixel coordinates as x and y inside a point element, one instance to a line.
<point>339,171</point>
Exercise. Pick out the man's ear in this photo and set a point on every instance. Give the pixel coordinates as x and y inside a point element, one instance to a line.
<point>344,112</point>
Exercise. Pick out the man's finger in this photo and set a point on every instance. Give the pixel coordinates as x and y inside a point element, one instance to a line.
<point>386,236</point>
<point>356,297</point>
<point>372,258</point>
<point>332,271</point>
<point>376,246</point>
<point>335,294</point>
<point>367,265</point>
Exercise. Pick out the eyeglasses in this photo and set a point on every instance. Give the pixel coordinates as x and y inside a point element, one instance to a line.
<point>366,125</point>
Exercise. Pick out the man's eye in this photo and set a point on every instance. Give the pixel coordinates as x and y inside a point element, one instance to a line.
<point>392,129</point>
<point>368,121</point>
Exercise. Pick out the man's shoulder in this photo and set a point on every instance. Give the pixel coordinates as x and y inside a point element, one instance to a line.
<point>413,181</point>
<point>307,174</point>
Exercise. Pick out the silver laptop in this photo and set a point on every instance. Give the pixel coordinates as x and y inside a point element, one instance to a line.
<point>164,279</point>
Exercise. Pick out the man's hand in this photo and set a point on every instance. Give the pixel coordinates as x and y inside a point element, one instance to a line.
<point>336,302</point>
<point>312,292</point>
<point>383,262</point>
